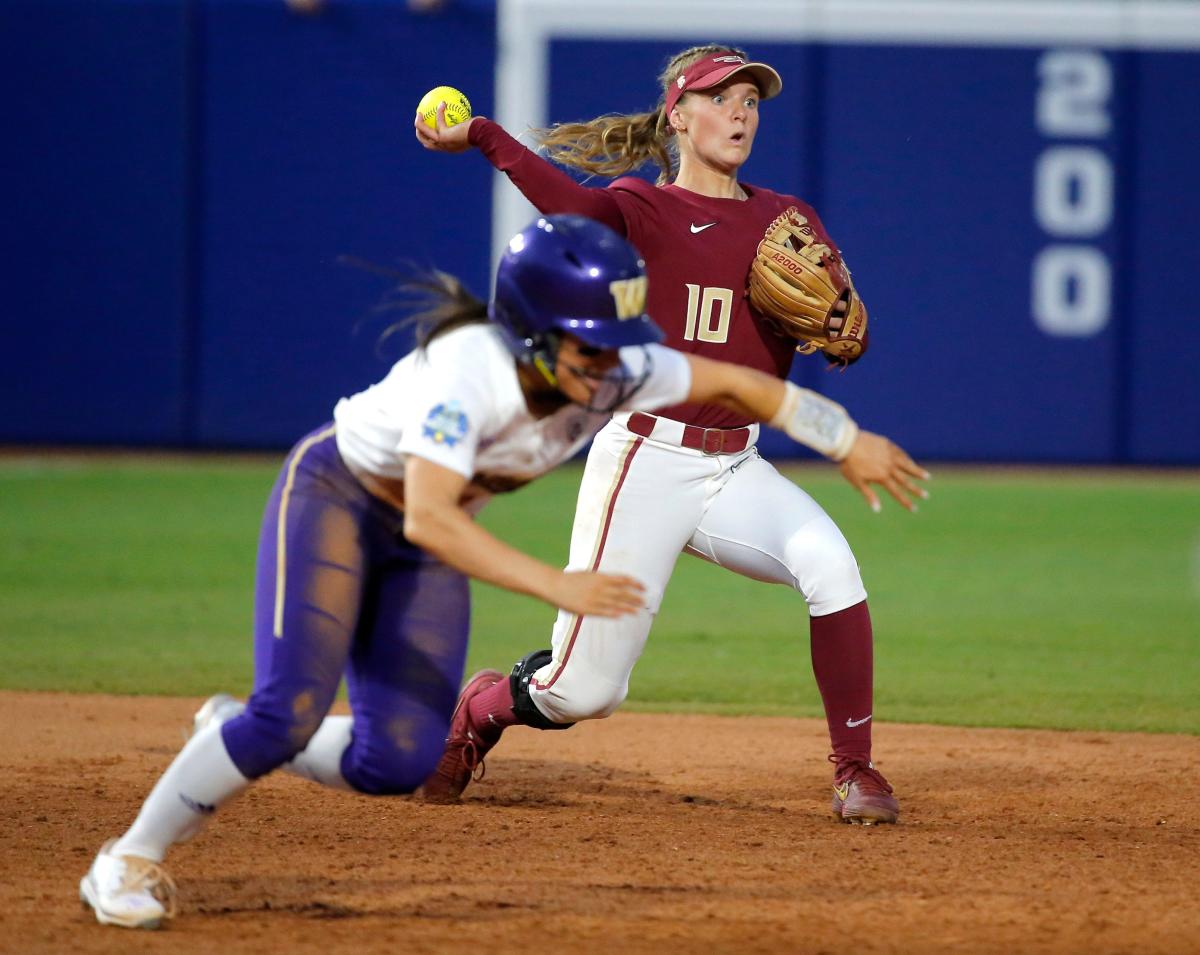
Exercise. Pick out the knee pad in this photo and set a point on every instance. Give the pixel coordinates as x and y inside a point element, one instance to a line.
<point>518,682</point>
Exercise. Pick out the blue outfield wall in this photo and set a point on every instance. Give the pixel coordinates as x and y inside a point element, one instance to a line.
<point>185,181</point>
<point>94,215</point>
<point>935,195</point>
<point>310,157</point>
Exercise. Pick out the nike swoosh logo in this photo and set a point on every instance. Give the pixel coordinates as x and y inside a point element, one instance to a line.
<point>853,723</point>
<point>842,791</point>
<point>701,228</point>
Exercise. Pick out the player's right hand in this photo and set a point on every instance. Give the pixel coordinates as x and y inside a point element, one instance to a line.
<point>599,595</point>
<point>444,139</point>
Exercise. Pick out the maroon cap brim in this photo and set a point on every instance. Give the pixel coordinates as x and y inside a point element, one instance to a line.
<point>769,82</point>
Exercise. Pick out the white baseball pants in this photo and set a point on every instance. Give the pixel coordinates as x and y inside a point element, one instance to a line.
<point>641,503</point>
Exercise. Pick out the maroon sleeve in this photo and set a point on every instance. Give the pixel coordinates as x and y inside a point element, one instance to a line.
<point>545,185</point>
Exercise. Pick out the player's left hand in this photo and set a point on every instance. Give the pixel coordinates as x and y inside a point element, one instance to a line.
<point>876,460</point>
<point>443,139</point>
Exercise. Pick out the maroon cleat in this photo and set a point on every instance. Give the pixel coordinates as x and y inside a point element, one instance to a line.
<point>465,747</point>
<point>861,795</point>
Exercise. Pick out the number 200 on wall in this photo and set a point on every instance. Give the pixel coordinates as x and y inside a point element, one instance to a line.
<point>1073,194</point>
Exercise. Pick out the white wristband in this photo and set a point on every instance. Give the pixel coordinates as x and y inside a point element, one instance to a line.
<point>814,420</point>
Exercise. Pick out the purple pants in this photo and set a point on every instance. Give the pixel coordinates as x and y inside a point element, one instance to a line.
<point>340,590</point>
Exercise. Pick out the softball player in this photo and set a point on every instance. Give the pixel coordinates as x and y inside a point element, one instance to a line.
<point>689,478</point>
<point>368,537</point>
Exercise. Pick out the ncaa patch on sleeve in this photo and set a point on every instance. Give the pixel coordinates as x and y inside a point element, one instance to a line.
<point>445,424</point>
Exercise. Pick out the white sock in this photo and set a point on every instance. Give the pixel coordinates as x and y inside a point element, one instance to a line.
<point>321,759</point>
<point>201,778</point>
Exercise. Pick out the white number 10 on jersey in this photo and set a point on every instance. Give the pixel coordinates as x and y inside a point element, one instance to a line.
<point>708,314</point>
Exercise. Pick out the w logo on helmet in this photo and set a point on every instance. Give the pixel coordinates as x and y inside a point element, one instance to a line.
<point>629,296</point>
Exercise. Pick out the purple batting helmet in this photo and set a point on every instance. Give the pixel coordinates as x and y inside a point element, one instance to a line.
<point>568,273</point>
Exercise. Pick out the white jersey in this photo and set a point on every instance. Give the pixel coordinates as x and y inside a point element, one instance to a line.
<point>459,403</point>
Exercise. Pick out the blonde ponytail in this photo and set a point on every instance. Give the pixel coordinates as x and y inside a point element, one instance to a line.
<point>610,145</point>
<point>618,143</point>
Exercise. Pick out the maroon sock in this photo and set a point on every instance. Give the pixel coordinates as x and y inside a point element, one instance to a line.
<point>492,710</point>
<point>842,663</point>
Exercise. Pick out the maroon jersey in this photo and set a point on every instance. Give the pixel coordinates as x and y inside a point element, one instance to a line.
<point>697,249</point>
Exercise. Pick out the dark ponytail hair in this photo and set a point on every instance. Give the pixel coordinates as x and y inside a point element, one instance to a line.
<point>434,302</point>
<point>443,304</point>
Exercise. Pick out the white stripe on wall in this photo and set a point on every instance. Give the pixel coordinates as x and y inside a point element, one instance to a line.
<point>526,27</point>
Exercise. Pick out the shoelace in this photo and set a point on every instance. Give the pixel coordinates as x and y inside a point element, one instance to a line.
<point>471,761</point>
<point>144,874</point>
<point>868,777</point>
<point>474,761</point>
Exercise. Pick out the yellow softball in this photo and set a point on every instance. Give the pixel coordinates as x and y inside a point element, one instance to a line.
<point>458,107</point>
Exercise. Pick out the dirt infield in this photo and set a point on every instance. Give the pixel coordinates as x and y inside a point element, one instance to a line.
<point>642,833</point>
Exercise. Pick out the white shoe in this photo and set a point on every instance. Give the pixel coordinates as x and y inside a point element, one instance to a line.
<point>127,890</point>
<point>216,709</point>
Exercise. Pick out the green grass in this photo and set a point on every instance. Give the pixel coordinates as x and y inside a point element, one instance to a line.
<point>1025,599</point>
